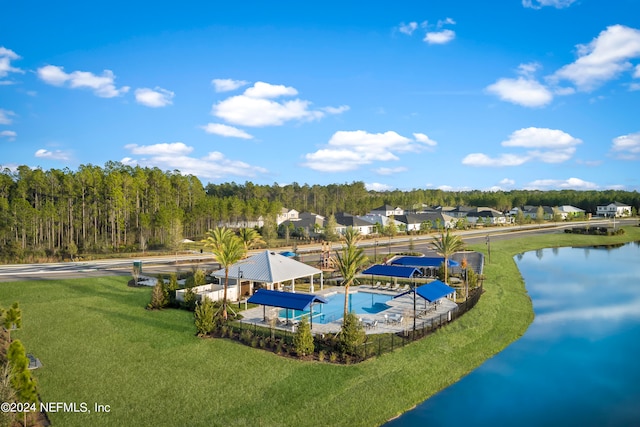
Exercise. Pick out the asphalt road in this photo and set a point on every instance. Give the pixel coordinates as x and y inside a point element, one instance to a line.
<point>381,247</point>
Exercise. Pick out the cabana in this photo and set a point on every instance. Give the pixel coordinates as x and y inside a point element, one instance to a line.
<point>430,264</point>
<point>286,300</point>
<point>394,271</point>
<point>432,292</point>
<point>271,270</point>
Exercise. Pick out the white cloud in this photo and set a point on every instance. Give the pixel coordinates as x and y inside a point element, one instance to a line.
<point>336,110</point>
<point>102,86</point>
<point>5,117</point>
<point>480,159</point>
<point>390,171</point>
<point>227,85</point>
<point>256,108</point>
<point>9,134</point>
<point>172,156</point>
<point>606,57</point>
<point>421,137</point>
<point>155,98</point>
<point>508,182</point>
<point>558,147</point>
<point>627,147</point>
<point>634,87</point>
<point>53,155</point>
<point>408,28</point>
<point>522,91</point>
<point>440,37</point>
<point>348,150</point>
<point>538,4</point>
<point>164,149</point>
<point>376,186</point>
<point>226,130</point>
<point>533,137</point>
<point>446,21</point>
<point>6,56</point>
<point>571,183</point>
<point>267,90</point>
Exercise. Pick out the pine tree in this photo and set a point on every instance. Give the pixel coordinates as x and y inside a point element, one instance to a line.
<point>21,380</point>
<point>303,339</point>
<point>204,317</point>
<point>352,334</point>
<point>157,296</point>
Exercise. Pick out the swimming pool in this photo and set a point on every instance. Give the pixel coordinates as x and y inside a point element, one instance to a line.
<point>359,303</point>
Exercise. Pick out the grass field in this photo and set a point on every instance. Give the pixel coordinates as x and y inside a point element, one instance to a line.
<point>99,345</point>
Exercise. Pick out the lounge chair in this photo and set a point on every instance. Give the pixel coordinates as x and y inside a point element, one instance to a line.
<point>387,286</point>
<point>376,286</point>
<point>404,288</point>
<point>395,318</point>
<point>394,287</point>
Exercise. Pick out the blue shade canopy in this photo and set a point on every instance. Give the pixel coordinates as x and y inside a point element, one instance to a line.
<point>391,271</point>
<point>422,261</point>
<point>284,299</point>
<point>288,254</point>
<point>432,291</point>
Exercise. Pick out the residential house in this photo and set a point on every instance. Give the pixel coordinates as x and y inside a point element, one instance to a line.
<point>413,222</point>
<point>387,210</point>
<point>286,214</point>
<point>345,220</point>
<point>486,216</point>
<point>568,212</point>
<point>614,209</point>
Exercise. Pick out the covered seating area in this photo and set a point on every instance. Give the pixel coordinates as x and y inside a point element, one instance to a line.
<point>394,271</point>
<point>428,265</point>
<point>286,300</point>
<point>432,293</point>
<point>271,271</point>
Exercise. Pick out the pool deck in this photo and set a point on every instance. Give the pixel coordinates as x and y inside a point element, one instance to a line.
<point>398,318</point>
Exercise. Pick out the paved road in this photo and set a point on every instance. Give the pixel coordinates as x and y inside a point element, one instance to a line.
<point>308,253</point>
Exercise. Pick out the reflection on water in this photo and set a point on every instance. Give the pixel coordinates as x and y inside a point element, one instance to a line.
<point>577,364</point>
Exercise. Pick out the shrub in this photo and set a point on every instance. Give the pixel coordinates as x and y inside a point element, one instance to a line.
<point>333,357</point>
<point>352,334</point>
<point>157,296</point>
<point>204,317</point>
<point>21,380</point>
<point>322,355</point>
<point>303,340</point>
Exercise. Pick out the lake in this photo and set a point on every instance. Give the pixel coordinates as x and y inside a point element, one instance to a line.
<point>578,364</point>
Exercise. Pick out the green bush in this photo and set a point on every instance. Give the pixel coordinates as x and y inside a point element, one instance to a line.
<point>21,380</point>
<point>204,317</point>
<point>303,340</point>
<point>352,334</point>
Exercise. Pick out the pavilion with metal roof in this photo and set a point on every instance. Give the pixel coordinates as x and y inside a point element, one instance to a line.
<point>286,300</point>
<point>270,269</point>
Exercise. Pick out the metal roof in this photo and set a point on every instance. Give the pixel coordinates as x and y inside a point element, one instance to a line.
<point>391,271</point>
<point>297,301</point>
<point>432,291</point>
<point>268,267</point>
<point>422,261</point>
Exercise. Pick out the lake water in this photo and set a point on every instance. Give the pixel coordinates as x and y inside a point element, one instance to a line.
<point>578,364</point>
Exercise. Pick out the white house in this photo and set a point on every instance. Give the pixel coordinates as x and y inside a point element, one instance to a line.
<point>568,211</point>
<point>614,209</point>
<point>387,210</point>
<point>287,214</point>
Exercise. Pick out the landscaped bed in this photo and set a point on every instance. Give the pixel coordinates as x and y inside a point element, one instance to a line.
<point>99,345</point>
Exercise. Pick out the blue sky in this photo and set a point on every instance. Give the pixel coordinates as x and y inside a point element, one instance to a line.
<point>460,95</point>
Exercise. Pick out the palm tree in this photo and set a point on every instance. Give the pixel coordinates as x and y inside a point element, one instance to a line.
<point>446,245</point>
<point>250,238</point>
<point>228,249</point>
<point>350,262</point>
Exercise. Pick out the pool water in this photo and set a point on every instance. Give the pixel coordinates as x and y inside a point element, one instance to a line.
<point>359,303</point>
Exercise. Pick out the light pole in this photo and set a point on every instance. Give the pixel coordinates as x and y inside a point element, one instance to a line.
<point>239,284</point>
<point>489,248</point>
<point>413,281</point>
<point>375,252</point>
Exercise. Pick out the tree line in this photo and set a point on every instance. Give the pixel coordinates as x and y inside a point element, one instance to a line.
<point>48,214</point>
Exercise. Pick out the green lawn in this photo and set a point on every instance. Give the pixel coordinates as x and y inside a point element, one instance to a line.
<point>99,345</point>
